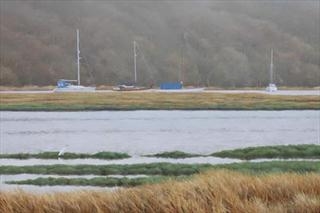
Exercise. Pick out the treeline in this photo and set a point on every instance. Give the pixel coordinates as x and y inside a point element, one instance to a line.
<point>207,43</point>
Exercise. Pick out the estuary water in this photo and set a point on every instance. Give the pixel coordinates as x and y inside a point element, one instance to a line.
<point>147,132</point>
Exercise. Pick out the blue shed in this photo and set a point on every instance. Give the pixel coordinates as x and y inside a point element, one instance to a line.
<point>171,85</point>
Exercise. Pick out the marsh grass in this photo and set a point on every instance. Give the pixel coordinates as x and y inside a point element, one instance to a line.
<point>67,155</point>
<point>154,101</point>
<point>27,88</point>
<point>174,154</point>
<point>306,151</point>
<point>160,172</point>
<point>310,151</point>
<point>215,191</point>
<point>166,169</point>
<point>273,167</point>
<point>97,181</point>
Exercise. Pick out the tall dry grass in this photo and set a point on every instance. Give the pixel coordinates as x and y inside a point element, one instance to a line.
<point>216,191</point>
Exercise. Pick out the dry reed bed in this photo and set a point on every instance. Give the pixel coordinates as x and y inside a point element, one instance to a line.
<point>215,191</point>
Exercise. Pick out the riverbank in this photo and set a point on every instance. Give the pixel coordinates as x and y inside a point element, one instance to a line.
<point>166,169</point>
<point>296,184</point>
<point>299,151</point>
<point>154,101</point>
<point>97,181</point>
<point>67,155</point>
<point>307,151</point>
<point>159,172</point>
<point>141,174</point>
<point>110,87</point>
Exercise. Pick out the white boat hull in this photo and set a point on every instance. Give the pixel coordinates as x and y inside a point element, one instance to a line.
<point>129,88</point>
<point>75,88</point>
<point>271,88</point>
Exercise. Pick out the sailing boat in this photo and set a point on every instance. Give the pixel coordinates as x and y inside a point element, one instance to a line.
<point>272,86</point>
<point>64,85</point>
<point>131,87</point>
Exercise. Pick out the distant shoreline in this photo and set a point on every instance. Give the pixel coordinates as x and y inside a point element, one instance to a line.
<point>160,109</point>
<point>107,87</point>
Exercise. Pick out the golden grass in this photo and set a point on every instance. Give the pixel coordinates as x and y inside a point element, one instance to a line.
<point>26,88</point>
<point>215,191</point>
<point>149,100</point>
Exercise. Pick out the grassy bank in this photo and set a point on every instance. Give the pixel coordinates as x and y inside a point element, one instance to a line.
<point>97,181</point>
<point>273,167</point>
<point>27,88</point>
<point>309,151</point>
<point>67,155</point>
<point>306,151</point>
<point>134,169</point>
<point>110,87</point>
<point>166,169</point>
<point>154,101</point>
<point>164,173</point>
<point>216,191</point>
<point>174,154</point>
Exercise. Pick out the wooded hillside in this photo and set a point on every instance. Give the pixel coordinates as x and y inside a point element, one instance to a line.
<point>208,43</point>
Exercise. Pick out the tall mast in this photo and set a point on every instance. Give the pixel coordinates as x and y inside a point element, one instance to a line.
<point>183,47</point>
<point>135,61</point>
<point>271,68</point>
<point>78,56</point>
<point>181,63</point>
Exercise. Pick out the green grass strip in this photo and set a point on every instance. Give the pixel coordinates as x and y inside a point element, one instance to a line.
<point>174,154</point>
<point>308,151</point>
<point>67,155</point>
<point>166,169</point>
<point>97,181</point>
<point>273,167</point>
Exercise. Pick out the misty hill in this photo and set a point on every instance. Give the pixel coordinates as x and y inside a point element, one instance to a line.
<point>211,43</point>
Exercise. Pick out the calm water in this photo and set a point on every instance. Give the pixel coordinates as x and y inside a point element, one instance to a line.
<point>146,132</point>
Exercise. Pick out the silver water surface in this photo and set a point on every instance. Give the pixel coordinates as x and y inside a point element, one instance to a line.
<point>147,132</point>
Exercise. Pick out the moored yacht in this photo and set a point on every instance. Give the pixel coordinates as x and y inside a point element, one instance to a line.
<point>64,85</point>
<point>272,86</point>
